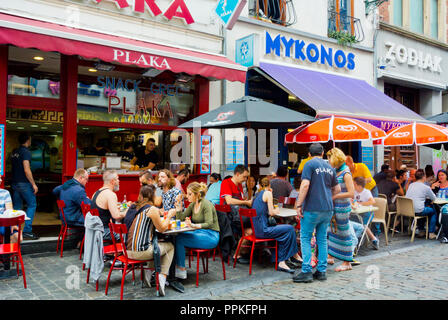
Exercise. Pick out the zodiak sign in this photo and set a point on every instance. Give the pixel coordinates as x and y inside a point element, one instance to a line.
<point>177,8</point>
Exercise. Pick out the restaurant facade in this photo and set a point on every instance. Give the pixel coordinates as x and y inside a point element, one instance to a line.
<point>87,77</point>
<point>301,66</point>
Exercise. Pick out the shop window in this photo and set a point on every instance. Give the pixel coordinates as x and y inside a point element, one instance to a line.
<point>276,11</point>
<point>33,73</point>
<point>125,95</point>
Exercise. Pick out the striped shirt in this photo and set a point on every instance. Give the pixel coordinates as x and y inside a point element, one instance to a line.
<point>5,198</point>
<point>140,233</point>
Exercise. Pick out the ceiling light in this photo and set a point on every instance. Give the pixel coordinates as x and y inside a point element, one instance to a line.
<point>34,126</point>
<point>11,122</point>
<point>44,128</point>
<point>21,128</point>
<point>47,123</point>
<point>92,70</point>
<point>183,77</point>
<point>38,58</point>
<point>85,128</point>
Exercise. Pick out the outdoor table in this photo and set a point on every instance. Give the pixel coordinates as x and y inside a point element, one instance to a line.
<point>358,211</point>
<point>174,231</point>
<point>441,201</point>
<point>286,213</point>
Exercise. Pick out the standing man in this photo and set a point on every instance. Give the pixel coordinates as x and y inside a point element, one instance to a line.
<point>361,170</point>
<point>147,158</point>
<point>23,185</point>
<point>128,152</point>
<point>315,208</point>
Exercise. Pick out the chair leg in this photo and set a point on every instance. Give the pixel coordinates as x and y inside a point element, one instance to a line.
<point>108,277</point>
<point>88,275</point>
<point>251,257</point>
<point>276,255</point>
<point>97,285</point>
<point>82,246</point>
<point>427,227</point>
<point>214,251</point>
<point>59,238</point>
<point>122,280</point>
<point>23,269</point>
<point>413,229</point>
<point>385,231</point>
<point>62,243</point>
<point>237,251</point>
<point>197,270</point>
<point>223,264</point>
<point>393,226</point>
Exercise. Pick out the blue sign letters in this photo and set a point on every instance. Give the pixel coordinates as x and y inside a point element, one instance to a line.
<point>308,51</point>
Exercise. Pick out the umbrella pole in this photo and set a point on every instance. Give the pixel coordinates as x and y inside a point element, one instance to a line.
<point>334,144</point>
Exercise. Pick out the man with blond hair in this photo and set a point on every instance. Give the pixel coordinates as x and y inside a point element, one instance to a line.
<point>73,193</point>
<point>106,201</point>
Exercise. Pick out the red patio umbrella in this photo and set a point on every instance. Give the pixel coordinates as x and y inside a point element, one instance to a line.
<point>338,129</point>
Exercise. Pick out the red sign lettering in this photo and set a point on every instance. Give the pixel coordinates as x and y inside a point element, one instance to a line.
<point>183,14</point>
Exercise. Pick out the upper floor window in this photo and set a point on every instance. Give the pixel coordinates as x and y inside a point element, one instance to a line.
<point>416,15</point>
<point>434,19</point>
<point>341,23</point>
<point>277,11</point>
<point>398,12</point>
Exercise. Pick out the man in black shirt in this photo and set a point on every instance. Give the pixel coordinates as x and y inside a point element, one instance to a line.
<point>128,153</point>
<point>148,158</point>
<point>382,174</point>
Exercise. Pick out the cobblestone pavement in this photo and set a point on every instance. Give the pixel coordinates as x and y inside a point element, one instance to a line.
<point>413,274</point>
<point>416,270</point>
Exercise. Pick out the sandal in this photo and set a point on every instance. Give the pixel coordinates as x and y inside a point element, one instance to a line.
<point>343,268</point>
<point>330,261</point>
<point>313,262</point>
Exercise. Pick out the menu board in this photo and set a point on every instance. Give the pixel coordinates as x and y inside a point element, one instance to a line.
<point>367,157</point>
<point>2,150</point>
<point>205,154</point>
<point>234,154</point>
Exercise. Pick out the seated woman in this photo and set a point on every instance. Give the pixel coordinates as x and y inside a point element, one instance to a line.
<point>141,219</point>
<point>200,215</point>
<point>214,189</point>
<point>283,233</point>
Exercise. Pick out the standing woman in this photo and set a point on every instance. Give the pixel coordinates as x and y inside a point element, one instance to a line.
<point>200,215</point>
<point>339,240</point>
<point>283,233</point>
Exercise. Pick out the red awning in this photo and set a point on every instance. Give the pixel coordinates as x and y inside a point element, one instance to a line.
<point>27,33</point>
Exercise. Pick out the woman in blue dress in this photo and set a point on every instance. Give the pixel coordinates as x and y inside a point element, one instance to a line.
<point>283,233</point>
<point>339,238</point>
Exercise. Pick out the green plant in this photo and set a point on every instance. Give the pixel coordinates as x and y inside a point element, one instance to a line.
<point>344,38</point>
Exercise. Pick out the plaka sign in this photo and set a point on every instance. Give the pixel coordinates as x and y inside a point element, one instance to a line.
<point>229,11</point>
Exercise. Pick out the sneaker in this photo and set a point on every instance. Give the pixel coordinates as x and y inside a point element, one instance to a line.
<point>181,274</point>
<point>444,240</point>
<point>176,285</point>
<point>321,276</point>
<point>355,262</point>
<point>118,264</point>
<point>306,277</point>
<point>162,281</point>
<point>147,277</point>
<point>376,244</point>
<point>29,236</point>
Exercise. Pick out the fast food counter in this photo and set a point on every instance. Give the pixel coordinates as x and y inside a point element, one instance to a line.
<point>130,184</point>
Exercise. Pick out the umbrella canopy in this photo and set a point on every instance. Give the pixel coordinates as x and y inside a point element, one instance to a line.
<point>416,133</point>
<point>439,118</point>
<point>337,129</point>
<point>249,111</point>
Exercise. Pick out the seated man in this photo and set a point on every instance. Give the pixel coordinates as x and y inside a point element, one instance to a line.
<point>6,204</point>
<point>146,178</point>
<point>280,185</point>
<point>419,192</point>
<point>73,193</point>
<point>182,177</point>
<point>105,200</point>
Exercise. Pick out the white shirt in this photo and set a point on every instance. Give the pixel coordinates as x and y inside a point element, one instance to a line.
<point>363,196</point>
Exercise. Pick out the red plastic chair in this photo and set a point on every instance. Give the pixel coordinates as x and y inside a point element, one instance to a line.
<point>13,249</point>
<point>122,255</point>
<point>287,201</point>
<point>201,253</point>
<point>85,208</point>
<point>250,213</point>
<point>107,249</point>
<point>65,229</point>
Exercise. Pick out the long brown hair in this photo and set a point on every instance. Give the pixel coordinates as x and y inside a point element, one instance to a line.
<point>147,194</point>
<point>171,181</point>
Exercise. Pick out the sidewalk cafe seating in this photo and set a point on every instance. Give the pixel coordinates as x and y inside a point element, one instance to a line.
<point>389,213</point>
<point>405,208</point>
<point>65,228</point>
<point>85,208</point>
<point>12,250</point>
<point>380,214</point>
<point>128,264</point>
<point>200,253</point>
<point>251,213</point>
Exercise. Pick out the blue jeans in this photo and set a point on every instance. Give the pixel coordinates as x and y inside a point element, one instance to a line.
<point>432,216</point>
<point>198,239</point>
<point>23,191</point>
<point>320,221</point>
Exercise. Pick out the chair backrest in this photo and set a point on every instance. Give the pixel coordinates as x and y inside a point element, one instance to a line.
<point>186,203</point>
<point>121,230</point>
<point>223,208</point>
<point>405,207</point>
<point>94,212</point>
<point>250,213</point>
<point>380,195</point>
<point>85,208</point>
<point>132,197</point>
<point>381,203</point>
<point>16,221</point>
<point>61,206</point>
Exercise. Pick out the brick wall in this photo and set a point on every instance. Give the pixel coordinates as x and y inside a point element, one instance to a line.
<point>384,12</point>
